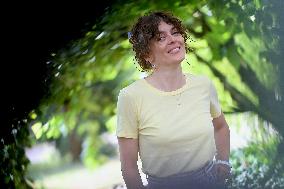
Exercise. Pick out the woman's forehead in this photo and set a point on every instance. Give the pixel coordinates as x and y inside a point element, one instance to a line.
<point>164,27</point>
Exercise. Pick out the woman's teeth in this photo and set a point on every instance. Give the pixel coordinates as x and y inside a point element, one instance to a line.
<point>174,50</point>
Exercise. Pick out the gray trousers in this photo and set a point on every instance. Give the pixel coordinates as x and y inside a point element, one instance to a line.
<point>203,178</point>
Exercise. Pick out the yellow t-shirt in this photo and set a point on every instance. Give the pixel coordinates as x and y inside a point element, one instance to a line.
<point>174,129</point>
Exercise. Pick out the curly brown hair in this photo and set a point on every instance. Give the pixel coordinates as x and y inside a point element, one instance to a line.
<point>146,29</point>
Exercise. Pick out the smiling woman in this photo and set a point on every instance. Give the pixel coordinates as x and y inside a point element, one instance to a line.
<point>149,32</point>
<point>168,46</point>
<point>173,120</point>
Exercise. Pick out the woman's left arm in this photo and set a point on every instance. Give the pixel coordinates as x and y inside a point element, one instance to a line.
<point>222,137</point>
<point>222,140</point>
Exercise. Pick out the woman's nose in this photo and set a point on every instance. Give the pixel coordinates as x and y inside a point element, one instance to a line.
<point>171,39</point>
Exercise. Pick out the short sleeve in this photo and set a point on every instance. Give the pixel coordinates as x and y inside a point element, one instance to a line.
<point>215,108</point>
<point>127,122</point>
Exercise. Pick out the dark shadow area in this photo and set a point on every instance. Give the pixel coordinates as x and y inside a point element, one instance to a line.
<point>32,32</point>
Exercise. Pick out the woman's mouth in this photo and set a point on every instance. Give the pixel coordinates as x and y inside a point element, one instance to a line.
<point>174,50</point>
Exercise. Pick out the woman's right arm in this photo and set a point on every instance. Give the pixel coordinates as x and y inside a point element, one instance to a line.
<point>128,149</point>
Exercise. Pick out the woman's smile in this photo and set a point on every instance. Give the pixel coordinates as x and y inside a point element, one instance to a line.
<point>174,50</point>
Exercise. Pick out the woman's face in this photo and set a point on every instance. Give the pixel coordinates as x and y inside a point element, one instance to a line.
<point>168,47</point>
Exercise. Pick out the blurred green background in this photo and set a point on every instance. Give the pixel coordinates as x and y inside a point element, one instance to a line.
<point>69,140</point>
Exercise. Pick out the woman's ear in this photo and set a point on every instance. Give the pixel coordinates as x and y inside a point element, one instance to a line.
<point>149,58</point>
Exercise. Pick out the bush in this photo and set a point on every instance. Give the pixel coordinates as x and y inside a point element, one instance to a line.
<point>255,167</point>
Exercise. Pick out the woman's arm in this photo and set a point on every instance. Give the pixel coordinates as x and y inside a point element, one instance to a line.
<point>222,140</point>
<point>128,149</point>
<point>222,137</point>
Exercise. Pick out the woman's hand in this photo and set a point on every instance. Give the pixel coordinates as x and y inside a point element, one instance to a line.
<point>223,172</point>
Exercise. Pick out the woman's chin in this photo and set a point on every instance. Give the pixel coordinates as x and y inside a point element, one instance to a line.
<point>179,59</point>
<point>175,62</point>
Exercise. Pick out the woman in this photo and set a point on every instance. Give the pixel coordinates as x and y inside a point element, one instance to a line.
<point>170,118</point>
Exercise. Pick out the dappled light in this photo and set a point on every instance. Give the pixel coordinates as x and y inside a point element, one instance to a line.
<point>236,44</point>
<point>228,46</point>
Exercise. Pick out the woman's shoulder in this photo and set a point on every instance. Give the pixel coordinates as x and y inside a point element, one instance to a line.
<point>131,89</point>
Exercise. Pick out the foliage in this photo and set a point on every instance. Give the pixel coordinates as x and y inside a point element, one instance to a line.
<point>259,164</point>
<point>235,42</point>
<point>253,168</point>
<point>90,72</point>
<point>13,160</point>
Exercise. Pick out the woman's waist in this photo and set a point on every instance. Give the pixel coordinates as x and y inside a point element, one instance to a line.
<point>163,166</point>
<point>189,174</point>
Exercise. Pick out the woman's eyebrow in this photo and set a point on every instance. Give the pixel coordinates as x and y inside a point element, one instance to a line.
<point>172,29</point>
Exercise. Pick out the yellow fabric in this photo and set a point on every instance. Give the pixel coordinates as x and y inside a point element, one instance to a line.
<point>174,129</point>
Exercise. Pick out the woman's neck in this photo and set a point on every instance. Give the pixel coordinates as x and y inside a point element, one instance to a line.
<point>167,79</point>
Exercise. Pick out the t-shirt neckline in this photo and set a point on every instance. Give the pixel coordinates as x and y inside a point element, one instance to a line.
<point>174,92</point>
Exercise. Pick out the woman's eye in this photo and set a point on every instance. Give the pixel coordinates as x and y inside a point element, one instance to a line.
<point>161,38</point>
<point>176,33</point>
